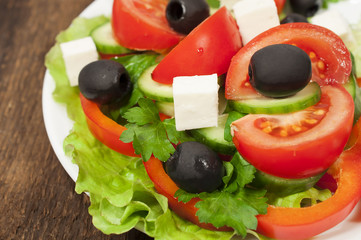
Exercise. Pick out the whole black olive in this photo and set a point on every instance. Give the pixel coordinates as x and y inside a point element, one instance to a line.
<point>280,70</point>
<point>184,15</point>
<point>307,8</point>
<point>195,168</point>
<point>105,82</point>
<point>294,17</point>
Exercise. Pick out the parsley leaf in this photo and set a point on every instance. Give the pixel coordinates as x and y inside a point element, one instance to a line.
<point>149,134</point>
<point>326,2</point>
<point>244,170</point>
<point>232,116</point>
<point>214,3</point>
<point>234,205</point>
<point>184,196</point>
<point>136,64</point>
<point>234,210</point>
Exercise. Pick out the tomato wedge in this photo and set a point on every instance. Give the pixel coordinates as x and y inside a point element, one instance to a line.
<point>280,4</point>
<point>206,50</point>
<point>279,222</point>
<point>104,129</point>
<point>330,58</point>
<point>142,25</point>
<point>300,144</point>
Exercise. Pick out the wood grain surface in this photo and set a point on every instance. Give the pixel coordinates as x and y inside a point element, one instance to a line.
<point>37,197</point>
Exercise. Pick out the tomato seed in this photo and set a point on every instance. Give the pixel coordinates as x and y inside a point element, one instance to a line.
<point>321,65</point>
<point>311,121</point>
<point>319,112</point>
<point>267,129</point>
<point>312,55</point>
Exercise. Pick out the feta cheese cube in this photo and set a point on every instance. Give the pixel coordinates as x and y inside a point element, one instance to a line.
<point>334,21</point>
<point>254,17</point>
<point>350,10</point>
<point>195,101</point>
<point>228,3</point>
<point>77,54</point>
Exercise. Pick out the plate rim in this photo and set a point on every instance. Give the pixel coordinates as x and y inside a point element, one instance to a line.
<point>99,7</point>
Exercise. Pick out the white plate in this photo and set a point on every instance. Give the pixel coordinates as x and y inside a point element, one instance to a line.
<point>58,125</point>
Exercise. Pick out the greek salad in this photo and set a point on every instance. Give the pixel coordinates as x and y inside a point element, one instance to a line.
<point>197,119</point>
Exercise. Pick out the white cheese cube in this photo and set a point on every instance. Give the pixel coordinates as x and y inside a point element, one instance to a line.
<point>195,101</point>
<point>77,54</point>
<point>350,10</point>
<point>254,17</point>
<point>334,21</point>
<point>228,3</point>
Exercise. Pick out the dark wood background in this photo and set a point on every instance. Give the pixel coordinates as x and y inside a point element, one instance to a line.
<point>37,198</point>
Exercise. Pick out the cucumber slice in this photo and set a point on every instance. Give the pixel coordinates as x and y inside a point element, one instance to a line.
<point>283,186</point>
<point>350,86</point>
<point>166,108</point>
<point>308,96</point>
<point>154,90</point>
<point>105,42</point>
<point>213,137</point>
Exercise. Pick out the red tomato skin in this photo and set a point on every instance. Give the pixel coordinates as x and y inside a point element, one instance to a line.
<point>135,30</point>
<point>324,43</point>
<point>206,50</point>
<point>303,223</point>
<point>280,4</point>
<point>290,157</point>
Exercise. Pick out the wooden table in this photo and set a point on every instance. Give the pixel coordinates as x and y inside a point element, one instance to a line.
<point>37,197</point>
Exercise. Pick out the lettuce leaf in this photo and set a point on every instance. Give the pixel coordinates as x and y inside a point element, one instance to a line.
<point>121,194</point>
<point>355,48</point>
<point>307,198</point>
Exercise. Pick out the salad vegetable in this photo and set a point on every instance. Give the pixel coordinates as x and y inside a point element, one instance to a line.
<point>215,38</point>
<point>301,144</point>
<point>146,26</point>
<point>323,46</point>
<point>132,160</point>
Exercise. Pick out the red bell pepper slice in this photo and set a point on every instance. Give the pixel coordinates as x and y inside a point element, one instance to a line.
<point>279,222</point>
<point>105,129</point>
<point>301,223</point>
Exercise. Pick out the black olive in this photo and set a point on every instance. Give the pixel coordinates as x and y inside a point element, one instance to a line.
<point>195,168</point>
<point>184,15</point>
<point>294,17</point>
<point>280,70</point>
<point>307,8</point>
<point>105,82</point>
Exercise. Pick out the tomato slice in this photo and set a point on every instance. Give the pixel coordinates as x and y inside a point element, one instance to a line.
<point>142,25</point>
<point>301,223</point>
<point>280,4</point>
<point>300,144</point>
<point>280,222</point>
<point>104,129</point>
<point>330,58</point>
<point>206,50</point>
